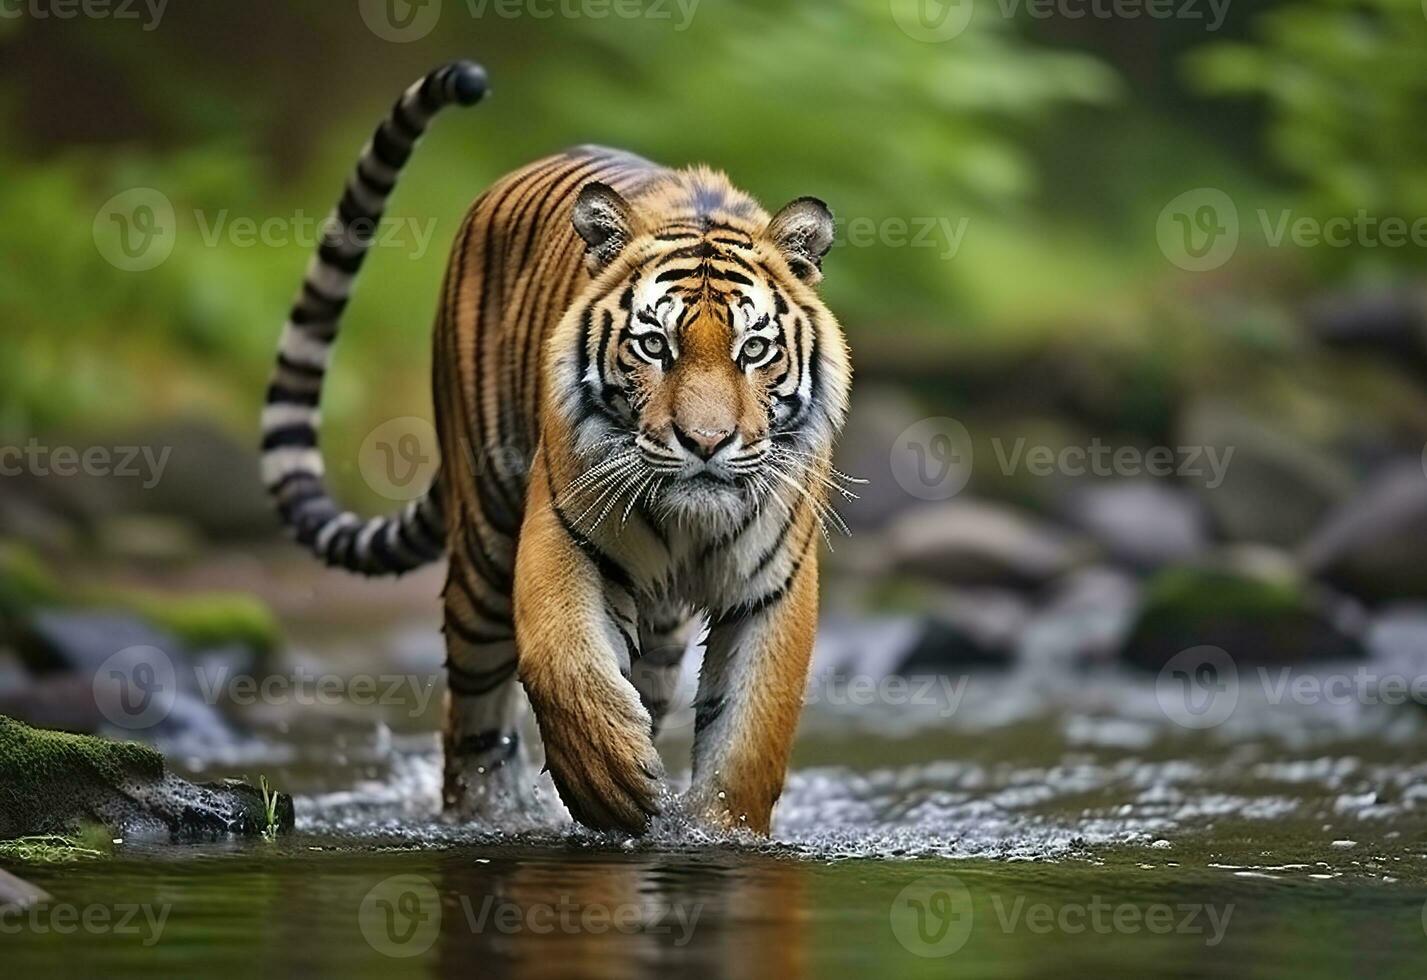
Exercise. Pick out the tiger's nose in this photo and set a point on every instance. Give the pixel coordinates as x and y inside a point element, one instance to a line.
<point>703,443</point>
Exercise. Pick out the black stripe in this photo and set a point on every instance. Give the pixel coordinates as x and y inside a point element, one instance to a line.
<point>477,682</point>
<point>408,127</point>
<point>751,608</point>
<point>471,635</point>
<point>306,370</point>
<point>377,184</point>
<point>390,148</point>
<point>282,395</point>
<point>478,604</point>
<point>331,255</point>
<point>301,434</point>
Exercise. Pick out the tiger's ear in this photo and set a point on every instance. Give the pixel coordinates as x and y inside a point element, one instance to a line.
<point>605,221</point>
<point>803,231</point>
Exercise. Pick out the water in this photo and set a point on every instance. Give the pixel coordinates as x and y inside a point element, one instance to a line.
<point>1045,823</point>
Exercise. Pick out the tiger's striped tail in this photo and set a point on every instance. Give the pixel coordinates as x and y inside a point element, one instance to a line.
<point>291,461</point>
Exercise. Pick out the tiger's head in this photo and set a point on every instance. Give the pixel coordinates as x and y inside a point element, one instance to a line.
<point>707,372</point>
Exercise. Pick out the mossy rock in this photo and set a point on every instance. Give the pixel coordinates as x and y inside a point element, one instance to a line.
<point>203,621</point>
<point>53,783</point>
<point>1255,618</point>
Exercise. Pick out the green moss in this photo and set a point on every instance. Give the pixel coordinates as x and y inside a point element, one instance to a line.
<point>30,756</point>
<point>212,619</point>
<point>202,620</point>
<point>43,772</point>
<point>89,843</point>
<point>25,583</point>
<point>1198,592</point>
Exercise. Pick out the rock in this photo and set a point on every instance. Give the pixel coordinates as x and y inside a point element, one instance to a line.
<point>972,543</point>
<point>16,895</point>
<point>192,473</point>
<point>80,641</point>
<point>877,417</point>
<point>1391,323</point>
<point>946,646</point>
<point>1260,613</point>
<point>1144,523</point>
<point>1372,546</point>
<point>90,666</point>
<point>964,629</point>
<point>1398,635</point>
<point>1085,620</point>
<point>55,783</point>
<point>870,646</point>
<point>1271,485</point>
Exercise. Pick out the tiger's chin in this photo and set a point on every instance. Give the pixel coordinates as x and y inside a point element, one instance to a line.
<point>705,500</point>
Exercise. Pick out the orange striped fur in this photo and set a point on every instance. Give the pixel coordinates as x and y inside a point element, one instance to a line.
<point>637,389</point>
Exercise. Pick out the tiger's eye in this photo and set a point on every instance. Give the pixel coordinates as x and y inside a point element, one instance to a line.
<point>653,346</point>
<point>754,349</point>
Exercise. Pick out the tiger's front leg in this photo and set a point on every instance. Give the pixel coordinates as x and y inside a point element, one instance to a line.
<point>751,690</point>
<point>575,638</point>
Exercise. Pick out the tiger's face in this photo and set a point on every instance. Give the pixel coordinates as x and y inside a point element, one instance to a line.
<point>709,365</point>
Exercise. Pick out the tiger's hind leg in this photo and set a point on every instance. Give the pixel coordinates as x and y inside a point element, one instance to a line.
<point>488,773</point>
<point>664,635</point>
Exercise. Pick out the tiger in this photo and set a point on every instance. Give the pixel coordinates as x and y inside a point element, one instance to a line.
<point>637,391</point>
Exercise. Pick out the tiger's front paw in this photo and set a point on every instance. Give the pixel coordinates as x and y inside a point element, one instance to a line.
<point>601,757</point>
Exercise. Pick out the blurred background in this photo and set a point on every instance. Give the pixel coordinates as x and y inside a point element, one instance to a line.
<point>1135,298</point>
<point>1189,233</point>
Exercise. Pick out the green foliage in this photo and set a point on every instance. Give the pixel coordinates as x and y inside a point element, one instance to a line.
<point>791,98</point>
<point>1343,85</point>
